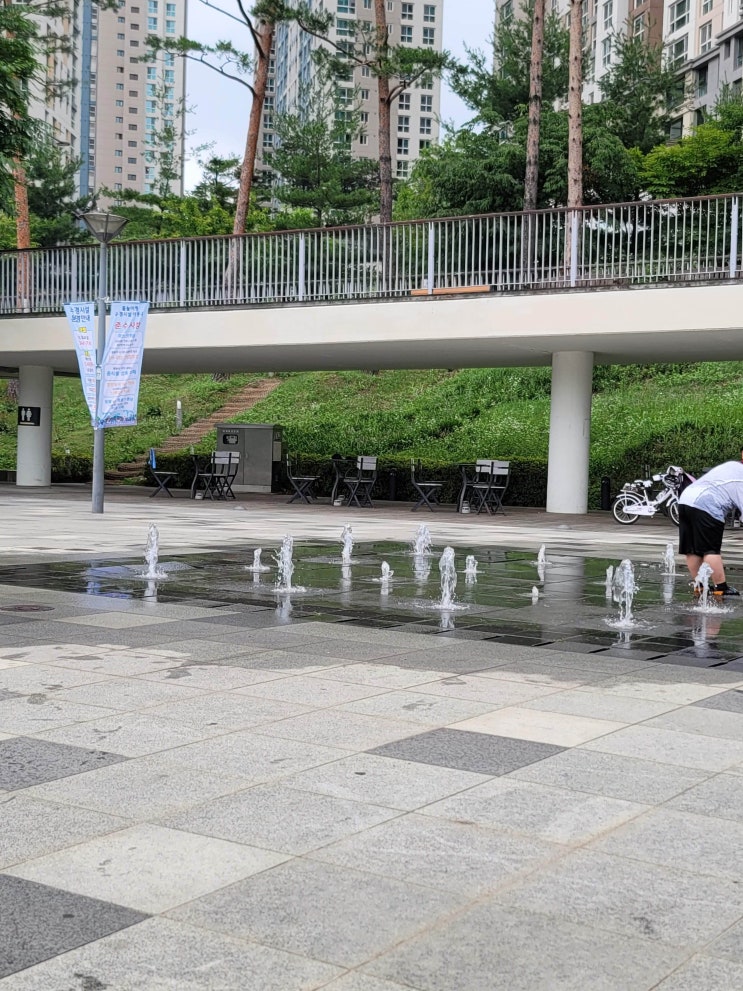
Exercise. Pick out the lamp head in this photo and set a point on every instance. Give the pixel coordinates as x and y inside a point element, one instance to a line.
<point>103,226</point>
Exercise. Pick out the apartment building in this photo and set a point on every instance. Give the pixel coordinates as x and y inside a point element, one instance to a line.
<point>416,113</point>
<point>703,39</point>
<point>106,106</point>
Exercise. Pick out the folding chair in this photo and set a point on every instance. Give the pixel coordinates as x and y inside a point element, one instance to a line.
<point>225,465</point>
<point>488,485</point>
<point>302,484</point>
<point>203,477</point>
<point>361,482</point>
<point>500,476</point>
<point>429,492</point>
<point>163,478</point>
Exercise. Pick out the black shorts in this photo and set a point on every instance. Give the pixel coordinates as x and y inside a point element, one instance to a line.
<point>699,533</point>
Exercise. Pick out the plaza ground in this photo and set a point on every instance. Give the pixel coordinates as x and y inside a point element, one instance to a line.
<point>197,794</point>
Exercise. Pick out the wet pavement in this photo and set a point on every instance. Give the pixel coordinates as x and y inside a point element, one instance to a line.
<point>209,785</point>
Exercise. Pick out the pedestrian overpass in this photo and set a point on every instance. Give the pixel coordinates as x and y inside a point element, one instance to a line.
<point>627,283</point>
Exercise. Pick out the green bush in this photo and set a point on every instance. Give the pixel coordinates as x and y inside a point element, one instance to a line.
<point>71,468</point>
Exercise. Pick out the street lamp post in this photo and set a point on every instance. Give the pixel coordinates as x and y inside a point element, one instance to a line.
<point>104,227</point>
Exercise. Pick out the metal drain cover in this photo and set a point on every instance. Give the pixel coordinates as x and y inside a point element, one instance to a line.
<point>26,607</point>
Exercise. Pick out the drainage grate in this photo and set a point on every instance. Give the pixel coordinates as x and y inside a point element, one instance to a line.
<point>26,607</point>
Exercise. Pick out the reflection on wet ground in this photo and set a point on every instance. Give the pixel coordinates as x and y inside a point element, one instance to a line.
<point>572,611</point>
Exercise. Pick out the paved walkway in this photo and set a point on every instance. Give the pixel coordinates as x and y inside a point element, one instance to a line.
<point>198,796</point>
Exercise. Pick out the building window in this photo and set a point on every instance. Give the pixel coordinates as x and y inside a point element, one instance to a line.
<point>606,52</point>
<point>363,139</point>
<point>738,56</point>
<point>707,6</point>
<point>120,36</point>
<point>119,86</point>
<point>678,49</point>
<point>423,144</point>
<point>679,15</point>
<point>119,103</point>
<point>702,75</point>
<point>117,185</point>
<point>403,169</point>
<point>506,11</point>
<point>406,34</point>
<point>429,13</point>
<point>120,53</point>
<point>131,144</point>
<point>131,176</point>
<point>131,161</point>
<point>133,43</point>
<point>676,130</point>
<point>346,6</point>
<point>705,37</point>
<point>344,28</point>
<point>118,152</point>
<point>426,125</point>
<point>403,125</point>
<point>363,93</point>
<point>426,82</point>
<point>150,106</point>
<point>426,104</point>
<point>404,102</point>
<point>118,120</point>
<point>608,15</point>
<point>364,117</point>
<point>132,127</point>
<point>118,169</point>
<point>406,12</point>
<point>638,26</point>
<point>170,27</point>
<point>152,7</point>
<point>151,73</point>
<point>403,146</point>
<point>152,24</point>
<point>367,4</point>
<point>429,36</point>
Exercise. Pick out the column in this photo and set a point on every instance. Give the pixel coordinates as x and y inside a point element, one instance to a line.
<point>34,451</point>
<point>570,432</point>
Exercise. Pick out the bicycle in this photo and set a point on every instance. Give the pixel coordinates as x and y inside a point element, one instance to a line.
<point>634,500</point>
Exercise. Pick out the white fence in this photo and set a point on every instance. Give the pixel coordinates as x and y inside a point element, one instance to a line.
<point>625,244</point>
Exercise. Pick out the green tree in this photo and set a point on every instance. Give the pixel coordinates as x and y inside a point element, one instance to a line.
<point>19,40</point>
<point>218,183</point>
<point>498,96</point>
<point>706,162</point>
<point>312,163</point>
<point>639,90</point>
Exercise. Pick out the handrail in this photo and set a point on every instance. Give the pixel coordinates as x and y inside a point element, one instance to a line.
<point>639,243</point>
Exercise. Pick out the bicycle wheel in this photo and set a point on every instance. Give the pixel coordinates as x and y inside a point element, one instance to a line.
<point>673,511</point>
<point>622,508</point>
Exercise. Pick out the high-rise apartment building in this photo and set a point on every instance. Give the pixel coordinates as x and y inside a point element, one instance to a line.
<point>114,112</point>
<point>703,40</point>
<point>415,114</point>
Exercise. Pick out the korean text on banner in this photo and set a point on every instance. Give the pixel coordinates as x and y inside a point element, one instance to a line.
<point>122,364</point>
<point>81,318</point>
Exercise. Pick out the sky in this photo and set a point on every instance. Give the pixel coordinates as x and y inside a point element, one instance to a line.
<point>219,108</point>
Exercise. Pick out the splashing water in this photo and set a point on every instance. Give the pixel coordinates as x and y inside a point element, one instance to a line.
<point>470,569</point>
<point>347,538</point>
<point>151,553</point>
<point>421,568</point>
<point>256,566</point>
<point>422,543</point>
<point>448,578</point>
<point>542,556</point>
<point>701,582</point>
<point>285,567</point>
<point>624,592</point>
<point>534,595</point>
<point>610,582</point>
<point>387,573</point>
<point>669,560</point>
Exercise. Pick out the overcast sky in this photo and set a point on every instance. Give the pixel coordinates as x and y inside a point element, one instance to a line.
<point>220,107</point>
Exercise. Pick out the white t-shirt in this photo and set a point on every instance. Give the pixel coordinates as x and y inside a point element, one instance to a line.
<point>717,492</point>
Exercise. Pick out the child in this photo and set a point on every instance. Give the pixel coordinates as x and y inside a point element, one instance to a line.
<point>703,506</point>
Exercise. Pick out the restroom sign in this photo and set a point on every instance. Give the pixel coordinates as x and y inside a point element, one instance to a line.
<point>29,416</point>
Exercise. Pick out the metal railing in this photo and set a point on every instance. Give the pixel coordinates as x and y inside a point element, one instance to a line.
<point>613,245</point>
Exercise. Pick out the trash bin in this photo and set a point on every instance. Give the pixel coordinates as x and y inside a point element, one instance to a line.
<point>261,450</point>
<point>606,493</point>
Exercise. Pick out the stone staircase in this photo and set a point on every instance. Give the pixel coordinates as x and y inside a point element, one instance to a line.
<point>196,431</point>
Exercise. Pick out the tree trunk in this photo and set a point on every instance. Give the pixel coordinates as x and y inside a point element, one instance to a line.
<point>265,32</point>
<point>385,117</point>
<point>575,107</point>
<point>531,181</point>
<point>23,234</point>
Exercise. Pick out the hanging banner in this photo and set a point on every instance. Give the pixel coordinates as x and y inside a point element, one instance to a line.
<point>122,364</point>
<point>81,318</point>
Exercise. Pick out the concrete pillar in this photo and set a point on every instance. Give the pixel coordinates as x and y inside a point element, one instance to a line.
<point>570,432</point>
<point>34,452</point>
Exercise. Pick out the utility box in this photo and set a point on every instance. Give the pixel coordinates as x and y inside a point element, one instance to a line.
<point>261,450</point>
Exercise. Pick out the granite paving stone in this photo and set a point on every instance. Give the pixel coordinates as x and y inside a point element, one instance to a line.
<point>627,778</point>
<point>210,677</point>
<point>477,688</point>
<point>40,922</point>
<point>720,796</point>
<point>147,867</point>
<point>335,728</point>
<point>396,784</point>
<point>719,723</point>
<point>669,746</point>
<point>32,828</point>
<point>682,840</point>
<point>343,917</point>
<point>481,753</point>
<point>478,950</point>
<point>25,762</point>
<point>543,727</point>
<point>729,946</point>
<point>126,694</point>
<point>455,856</point>
<point>276,817</point>
<point>33,676</point>
<point>37,712</point>
<point>226,711</point>
<point>141,788</point>
<point>117,663</point>
<point>624,896</point>
<point>417,707</point>
<point>553,814</point>
<point>704,973</point>
<point>161,954</point>
<point>312,690</point>
<point>356,981</point>
<point>380,675</point>
<point>668,683</point>
<point>118,620</point>
<point>598,705</point>
<point>727,701</point>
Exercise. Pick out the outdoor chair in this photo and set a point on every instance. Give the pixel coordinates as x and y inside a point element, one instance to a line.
<point>485,484</point>
<point>360,482</point>
<point>429,492</point>
<point>225,464</point>
<point>303,485</point>
<point>162,478</point>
